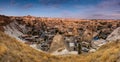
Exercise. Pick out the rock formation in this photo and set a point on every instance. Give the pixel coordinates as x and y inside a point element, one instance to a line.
<point>115,35</point>
<point>57,43</point>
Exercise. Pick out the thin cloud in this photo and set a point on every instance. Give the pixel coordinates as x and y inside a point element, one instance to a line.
<point>27,6</point>
<point>1,9</point>
<point>118,11</point>
<point>52,2</point>
<point>109,4</point>
<point>13,2</point>
<point>108,9</point>
<point>57,3</point>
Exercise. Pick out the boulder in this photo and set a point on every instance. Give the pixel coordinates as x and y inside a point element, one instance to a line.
<point>92,50</point>
<point>60,52</point>
<point>98,43</point>
<point>57,43</point>
<point>84,49</point>
<point>64,52</point>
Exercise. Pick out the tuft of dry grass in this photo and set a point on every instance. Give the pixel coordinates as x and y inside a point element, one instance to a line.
<point>3,49</point>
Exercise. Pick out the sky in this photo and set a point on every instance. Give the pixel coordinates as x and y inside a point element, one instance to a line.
<point>83,9</point>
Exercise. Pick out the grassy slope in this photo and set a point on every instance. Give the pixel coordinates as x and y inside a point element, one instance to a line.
<point>13,51</point>
<point>107,53</point>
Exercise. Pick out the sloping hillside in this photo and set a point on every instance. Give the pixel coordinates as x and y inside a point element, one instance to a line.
<point>107,53</point>
<point>12,50</point>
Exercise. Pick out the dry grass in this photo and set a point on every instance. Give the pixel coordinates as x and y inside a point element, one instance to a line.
<point>12,50</point>
<point>2,49</point>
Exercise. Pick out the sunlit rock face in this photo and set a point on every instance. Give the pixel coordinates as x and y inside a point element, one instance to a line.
<point>115,35</point>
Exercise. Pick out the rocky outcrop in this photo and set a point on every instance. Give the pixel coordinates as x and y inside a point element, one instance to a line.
<point>14,29</point>
<point>98,43</point>
<point>115,35</point>
<point>57,43</point>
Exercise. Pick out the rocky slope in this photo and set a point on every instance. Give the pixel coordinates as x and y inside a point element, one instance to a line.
<point>12,50</point>
<point>39,32</point>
